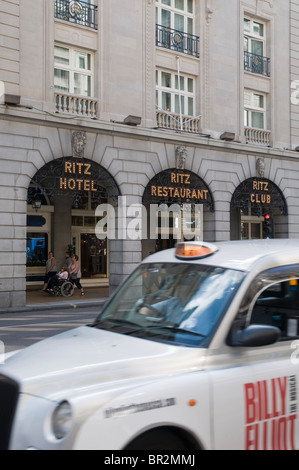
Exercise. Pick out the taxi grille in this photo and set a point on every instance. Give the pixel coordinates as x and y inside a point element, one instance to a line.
<point>9,391</point>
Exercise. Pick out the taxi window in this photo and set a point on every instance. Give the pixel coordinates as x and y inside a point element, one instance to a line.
<point>278,305</point>
<point>172,302</point>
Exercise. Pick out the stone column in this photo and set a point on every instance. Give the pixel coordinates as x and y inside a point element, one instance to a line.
<point>62,227</point>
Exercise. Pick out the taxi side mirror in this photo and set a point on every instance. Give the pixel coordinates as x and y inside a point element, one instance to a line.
<point>254,336</point>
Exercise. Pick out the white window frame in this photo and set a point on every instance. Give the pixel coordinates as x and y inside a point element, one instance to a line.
<point>72,69</point>
<point>249,109</point>
<point>174,92</point>
<point>175,11</point>
<point>253,36</point>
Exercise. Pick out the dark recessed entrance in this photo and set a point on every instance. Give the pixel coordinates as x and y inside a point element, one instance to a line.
<point>258,210</point>
<point>62,199</point>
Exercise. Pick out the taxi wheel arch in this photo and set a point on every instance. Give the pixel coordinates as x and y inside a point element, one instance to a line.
<point>164,438</point>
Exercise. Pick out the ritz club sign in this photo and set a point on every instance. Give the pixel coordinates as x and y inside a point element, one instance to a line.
<point>260,193</point>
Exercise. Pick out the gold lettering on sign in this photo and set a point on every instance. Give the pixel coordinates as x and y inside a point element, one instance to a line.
<point>263,196</point>
<point>72,183</point>
<point>177,191</point>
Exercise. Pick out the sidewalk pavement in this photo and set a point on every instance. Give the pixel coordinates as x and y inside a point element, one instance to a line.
<point>38,300</point>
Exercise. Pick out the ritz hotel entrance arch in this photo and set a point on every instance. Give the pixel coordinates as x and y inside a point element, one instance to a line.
<point>62,199</point>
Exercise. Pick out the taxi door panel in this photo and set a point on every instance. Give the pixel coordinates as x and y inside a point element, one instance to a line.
<point>271,400</point>
<point>228,398</point>
<point>271,417</point>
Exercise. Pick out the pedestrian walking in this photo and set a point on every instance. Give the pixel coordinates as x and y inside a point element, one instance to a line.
<point>75,273</point>
<point>51,269</point>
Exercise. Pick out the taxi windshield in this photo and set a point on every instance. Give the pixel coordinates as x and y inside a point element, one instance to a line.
<point>171,302</point>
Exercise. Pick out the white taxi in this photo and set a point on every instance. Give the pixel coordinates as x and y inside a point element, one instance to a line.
<point>198,349</point>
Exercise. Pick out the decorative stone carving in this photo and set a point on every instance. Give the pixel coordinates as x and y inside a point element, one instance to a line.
<point>180,157</point>
<point>79,140</point>
<point>260,168</point>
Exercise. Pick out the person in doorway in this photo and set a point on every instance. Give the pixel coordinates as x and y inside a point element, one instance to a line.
<point>51,269</point>
<point>75,273</point>
<point>54,281</point>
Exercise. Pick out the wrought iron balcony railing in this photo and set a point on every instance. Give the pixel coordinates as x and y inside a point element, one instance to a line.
<point>177,40</point>
<point>77,12</point>
<point>256,64</point>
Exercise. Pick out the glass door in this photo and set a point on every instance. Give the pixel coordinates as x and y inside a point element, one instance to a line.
<point>252,228</point>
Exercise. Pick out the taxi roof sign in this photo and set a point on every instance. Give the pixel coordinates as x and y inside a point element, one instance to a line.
<point>194,250</point>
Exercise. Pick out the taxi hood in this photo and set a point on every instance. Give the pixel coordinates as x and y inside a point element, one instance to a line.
<point>88,356</point>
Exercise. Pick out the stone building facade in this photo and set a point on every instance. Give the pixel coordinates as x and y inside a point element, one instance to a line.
<point>142,102</point>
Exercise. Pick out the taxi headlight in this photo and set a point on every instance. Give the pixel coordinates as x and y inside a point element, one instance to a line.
<point>62,420</point>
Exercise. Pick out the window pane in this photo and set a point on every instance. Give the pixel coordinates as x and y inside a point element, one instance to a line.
<point>166,2</point>
<point>182,84</point>
<point>189,26</point>
<point>37,249</point>
<point>165,18</point>
<point>82,85</point>
<point>258,28</point>
<point>177,105</point>
<point>247,98</point>
<point>166,79</point>
<point>257,120</point>
<point>190,85</point>
<point>190,6</point>
<point>246,25</point>
<point>179,22</point>
<point>166,101</point>
<point>246,116</point>
<point>61,55</point>
<point>82,60</point>
<point>257,47</point>
<point>246,42</point>
<point>190,107</point>
<point>258,101</point>
<point>61,80</point>
<point>179,4</point>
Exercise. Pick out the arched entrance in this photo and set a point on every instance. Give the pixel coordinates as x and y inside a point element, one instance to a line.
<point>62,199</point>
<point>179,206</point>
<point>258,210</point>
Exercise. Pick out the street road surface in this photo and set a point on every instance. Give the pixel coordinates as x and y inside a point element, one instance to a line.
<point>19,330</point>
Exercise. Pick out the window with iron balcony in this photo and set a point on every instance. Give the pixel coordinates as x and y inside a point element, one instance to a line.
<point>175,26</point>
<point>254,48</point>
<point>76,12</point>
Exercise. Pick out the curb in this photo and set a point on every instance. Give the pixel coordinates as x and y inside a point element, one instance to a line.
<point>54,305</point>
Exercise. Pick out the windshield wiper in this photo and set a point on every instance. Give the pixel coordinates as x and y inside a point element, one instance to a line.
<point>173,328</point>
<point>113,322</point>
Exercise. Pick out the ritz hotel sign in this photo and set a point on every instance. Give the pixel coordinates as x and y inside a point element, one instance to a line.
<point>72,182</point>
<point>77,174</point>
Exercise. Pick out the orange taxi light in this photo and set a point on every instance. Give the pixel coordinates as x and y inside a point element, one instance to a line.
<point>188,251</point>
